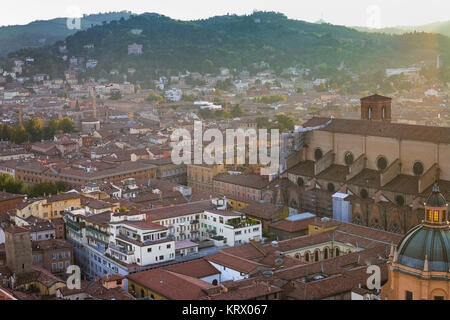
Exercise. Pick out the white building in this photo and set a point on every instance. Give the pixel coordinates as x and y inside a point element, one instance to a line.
<point>204,220</point>
<point>173,95</point>
<point>398,71</point>
<point>135,49</point>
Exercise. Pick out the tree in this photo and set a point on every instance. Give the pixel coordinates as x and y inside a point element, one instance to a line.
<point>115,95</point>
<point>10,185</point>
<point>237,111</point>
<point>6,132</point>
<point>21,135</point>
<point>66,125</point>
<point>34,127</point>
<point>154,97</point>
<point>284,123</point>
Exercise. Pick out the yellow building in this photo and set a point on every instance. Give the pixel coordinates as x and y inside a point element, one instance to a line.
<point>420,266</point>
<point>49,208</point>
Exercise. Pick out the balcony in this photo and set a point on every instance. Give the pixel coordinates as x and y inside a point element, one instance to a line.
<point>242,223</point>
<point>120,249</point>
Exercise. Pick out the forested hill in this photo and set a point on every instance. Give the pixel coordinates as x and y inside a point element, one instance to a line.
<point>239,41</point>
<point>47,32</point>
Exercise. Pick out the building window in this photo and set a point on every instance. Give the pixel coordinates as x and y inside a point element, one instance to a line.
<point>318,154</point>
<point>316,256</point>
<point>337,252</point>
<point>436,216</point>
<point>409,295</point>
<point>300,182</point>
<point>382,163</point>
<point>307,256</point>
<point>348,158</point>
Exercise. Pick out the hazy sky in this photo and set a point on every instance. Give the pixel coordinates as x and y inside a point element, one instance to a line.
<point>374,13</point>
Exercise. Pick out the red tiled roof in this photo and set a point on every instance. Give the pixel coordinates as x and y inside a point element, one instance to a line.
<point>199,268</point>
<point>171,285</point>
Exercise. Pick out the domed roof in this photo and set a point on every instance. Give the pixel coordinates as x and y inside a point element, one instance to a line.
<point>435,199</point>
<point>423,243</point>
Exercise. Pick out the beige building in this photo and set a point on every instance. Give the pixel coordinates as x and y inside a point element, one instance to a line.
<point>385,167</point>
<point>200,176</point>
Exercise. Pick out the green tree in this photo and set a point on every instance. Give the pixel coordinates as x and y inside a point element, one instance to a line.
<point>284,123</point>
<point>154,97</point>
<point>237,111</point>
<point>115,95</point>
<point>21,135</point>
<point>66,125</point>
<point>35,127</point>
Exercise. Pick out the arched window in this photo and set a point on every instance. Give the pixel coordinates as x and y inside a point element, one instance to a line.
<point>370,113</point>
<point>364,193</point>
<point>336,252</point>
<point>297,256</point>
<point>383,113</point>
<point>436,216</point>
<point>142,293</point>
<point>307,256</point>
<point>214,283</point>
<point>325,253</point>
<point>316,255</point>
<point>382,163</point>
<point>400,200</point>
<point>300,182</point>
<point>418,168</point>
<point>357,219</point>
<point>318,154</point>
<point>348,158</point>
<point>331,187</point>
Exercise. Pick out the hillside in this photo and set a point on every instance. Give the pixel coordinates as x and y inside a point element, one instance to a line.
<point>40,33</point>
<point>438,27</point>
<point>237,42</point>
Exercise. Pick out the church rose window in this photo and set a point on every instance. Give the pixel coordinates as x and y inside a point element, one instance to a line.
<point>331,187</point>
<point>348,158</point>
<point>400,200</point>
<point>382,163</point>
<point>318,154</point>
<point>364,194</point>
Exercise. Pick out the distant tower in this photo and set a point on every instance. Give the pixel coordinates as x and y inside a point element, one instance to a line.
<point>376,108</point>
<point>18,250</point>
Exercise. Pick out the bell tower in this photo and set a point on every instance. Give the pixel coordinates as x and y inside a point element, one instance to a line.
<point>18,249</point>
<point>376,108</point>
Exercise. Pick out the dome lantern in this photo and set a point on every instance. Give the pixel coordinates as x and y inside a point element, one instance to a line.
<point>436,208</point>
